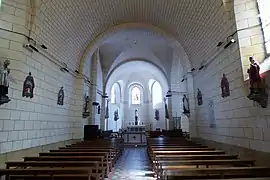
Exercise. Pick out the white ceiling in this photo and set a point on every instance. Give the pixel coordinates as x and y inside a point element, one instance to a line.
<point>71,25</point>
<point>139,69</point>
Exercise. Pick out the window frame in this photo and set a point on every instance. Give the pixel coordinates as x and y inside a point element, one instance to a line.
<point>265,23</point>
<point>139,91</point>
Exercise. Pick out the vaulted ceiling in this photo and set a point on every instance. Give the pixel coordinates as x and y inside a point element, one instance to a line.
<point>67,27</point>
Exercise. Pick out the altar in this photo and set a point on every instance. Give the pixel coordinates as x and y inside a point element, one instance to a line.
<point>135,135</point>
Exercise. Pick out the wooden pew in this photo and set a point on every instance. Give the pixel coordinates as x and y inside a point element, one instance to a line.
<point>104,169</point>
<point>51,173</point>
<point>220,172</point>
<point>108,157</point>
<point>177,159</point>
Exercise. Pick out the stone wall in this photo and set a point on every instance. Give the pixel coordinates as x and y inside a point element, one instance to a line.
<point>26,122</point>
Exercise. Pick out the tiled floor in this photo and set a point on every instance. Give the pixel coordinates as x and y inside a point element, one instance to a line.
<point>133,165</point>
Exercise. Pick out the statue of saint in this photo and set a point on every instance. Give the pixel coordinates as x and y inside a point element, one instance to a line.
<point>199,97</point>
<point>107,110</point>
<point>86,106</point>
<point>156,114</point>
<point>136,117</point>
<point>60,100</point>
<point>28,86</point>
<point>185,105</point>
<point>254,77</point>
<point>4,82</point>
<point>86,103</point>
<point>225,87</point>
<point>98,109</point>
<point>116,116</point>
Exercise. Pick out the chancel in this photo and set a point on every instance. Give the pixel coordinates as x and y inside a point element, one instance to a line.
<point>134,89</point>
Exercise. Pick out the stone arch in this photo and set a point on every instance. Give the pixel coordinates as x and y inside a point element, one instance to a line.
<point>99,40</point>
<point>135,59</point>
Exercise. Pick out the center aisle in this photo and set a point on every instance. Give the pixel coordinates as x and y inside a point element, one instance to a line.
<point>133,165</point>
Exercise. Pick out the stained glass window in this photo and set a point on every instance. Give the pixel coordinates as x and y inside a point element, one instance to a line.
<point>113,96</point>
<point>135,95</point>
<point>156,94</point>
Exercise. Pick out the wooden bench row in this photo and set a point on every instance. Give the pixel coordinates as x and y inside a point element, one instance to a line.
<point>179,158</point>
<point>80,161</point>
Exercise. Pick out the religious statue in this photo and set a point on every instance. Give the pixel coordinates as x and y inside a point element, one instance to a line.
<point>136,117</point>
<point>28,86</point>
<point>156,114</point>
<point>60,100</point>
<point>98,109</point>
<point>166,111</point>
<point>116,116</point>
<point>225,87</point>
<point>107,109</point>
<point>86,106</point>
<point>199,97</point>
<point>186,105</point>
<point>4,82</point>
<point>254,77</point>
<point>257,87</point>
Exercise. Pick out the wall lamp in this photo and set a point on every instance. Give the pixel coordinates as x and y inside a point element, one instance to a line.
<point>202,66</point>
<point>230,42</point>
<point>169,94</point>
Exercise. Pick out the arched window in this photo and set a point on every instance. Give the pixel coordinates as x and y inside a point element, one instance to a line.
<point>156,93</point>
<point>113,94</point>
<point>264,6</point>
<point>136,95</point>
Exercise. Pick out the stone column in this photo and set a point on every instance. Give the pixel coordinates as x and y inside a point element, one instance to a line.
<point>171,123</point>
<point>191,97</point>
<point>93,88</point>
<point>102,113</point>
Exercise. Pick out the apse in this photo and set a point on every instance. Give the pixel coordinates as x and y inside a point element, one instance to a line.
<point>141,87</point>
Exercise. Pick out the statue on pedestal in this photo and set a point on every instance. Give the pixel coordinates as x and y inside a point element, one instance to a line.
<point>107,109</point>
<point>116,116</point>
<point>136,117</point>
<point>60,100</point>
<point>257,88</point>
<point>199,97</point>
<point>86,106</point>
<point>28,86</point>
<point>156,114</point>
<point>186,105</point>
<point>4,82</point>
<point>225,87</point>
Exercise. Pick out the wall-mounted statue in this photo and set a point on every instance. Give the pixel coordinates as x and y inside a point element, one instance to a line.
<point>186,105</point>
<point>199,97</point>
<point>60,100</point>
<point>86,106</point>
<point>156,114</point>
<point>225,87</point>
<point>98,109</point>
<point>28,86</point>
<point>257,87</point>
<point>107,109</point>
<point>116,116</point>
<point>166,111</point>
<point>4,82</point>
